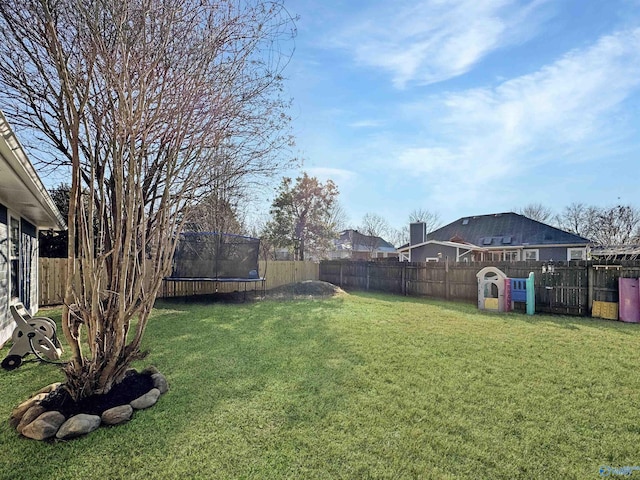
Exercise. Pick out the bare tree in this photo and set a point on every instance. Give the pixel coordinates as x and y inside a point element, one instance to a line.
<point>536,211</point>
<point>338,217</point>
<point>619,225</point>
<point>430,219</point>
<point>374,227</point>
<point>139,99</point>
<point>216,213</point>
<point>578,218</point>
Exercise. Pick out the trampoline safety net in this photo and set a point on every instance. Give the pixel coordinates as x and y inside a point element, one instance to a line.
<point>212,255</point>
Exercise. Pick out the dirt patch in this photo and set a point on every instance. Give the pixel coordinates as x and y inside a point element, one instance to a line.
<point>305,290</point>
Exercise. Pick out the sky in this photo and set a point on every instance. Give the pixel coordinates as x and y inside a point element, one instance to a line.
<point>467,107</point>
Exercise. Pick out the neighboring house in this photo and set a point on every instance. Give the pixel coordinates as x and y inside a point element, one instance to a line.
<point>354,245</point>
<point>25,207</point>
<point>498,237</point>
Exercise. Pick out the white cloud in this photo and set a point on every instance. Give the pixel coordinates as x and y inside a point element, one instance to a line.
<point>566,112</point>
<point>429,41</point>
<point>365,124</point>
<point>338,175</point>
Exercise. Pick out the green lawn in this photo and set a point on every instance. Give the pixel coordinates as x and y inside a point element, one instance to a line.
<point>359,386</point>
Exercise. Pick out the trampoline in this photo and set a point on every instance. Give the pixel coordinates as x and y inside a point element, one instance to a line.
<point>217,258</point>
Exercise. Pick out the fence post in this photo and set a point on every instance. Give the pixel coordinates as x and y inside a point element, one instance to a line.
<point>403,287</point>
<point>446,279</point>
<point>367,276</point>
<point>341,283</point>
<point>590,287</point>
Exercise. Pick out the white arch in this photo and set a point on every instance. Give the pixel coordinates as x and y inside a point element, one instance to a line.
<point>482,274</point>
<point>495,276</point>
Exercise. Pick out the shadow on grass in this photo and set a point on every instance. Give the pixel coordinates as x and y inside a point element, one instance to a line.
<point>247,373</point>
<point>239,374</point>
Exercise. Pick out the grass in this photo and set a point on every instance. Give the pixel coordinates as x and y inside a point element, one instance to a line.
<point>358,386</point>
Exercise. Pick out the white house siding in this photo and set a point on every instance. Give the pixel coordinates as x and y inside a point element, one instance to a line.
<point>28,288</point>
<point>6,322</point>
<point>29,266</point>
<point>23,197</point>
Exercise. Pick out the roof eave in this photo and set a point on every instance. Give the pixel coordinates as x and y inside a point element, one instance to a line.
<point>13,153</point>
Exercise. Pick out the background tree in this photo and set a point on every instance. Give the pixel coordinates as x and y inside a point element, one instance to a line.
<point>374,227</point>
<point>214,213</point>
<point>429,218</point>
<point>219,207</point>
<point>618,225</point>
<point>398,236</point>
<point>302,216</point>
<point>139,99</point>
<point>578,218</point>
<point>338,218</point>
<point>536,211</point>
<point>53,244</point>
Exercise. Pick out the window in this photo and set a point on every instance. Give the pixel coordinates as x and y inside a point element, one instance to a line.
<point>511,256</point>
<point>532,255</point>
<point>14,256</point>
<point>576,254</point>
<point>493,256</point>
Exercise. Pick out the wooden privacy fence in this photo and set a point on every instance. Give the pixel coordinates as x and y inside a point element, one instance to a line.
<point>568,289</point>
<point>53,273</point>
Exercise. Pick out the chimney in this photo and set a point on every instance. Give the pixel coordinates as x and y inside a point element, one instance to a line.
<point>417,233</point>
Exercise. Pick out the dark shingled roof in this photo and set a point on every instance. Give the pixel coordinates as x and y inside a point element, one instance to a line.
<point>504,230</point>
<point>361,242</point>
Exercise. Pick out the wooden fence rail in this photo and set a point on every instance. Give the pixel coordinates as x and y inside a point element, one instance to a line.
<point>53,274</point>
<point>570,289</point>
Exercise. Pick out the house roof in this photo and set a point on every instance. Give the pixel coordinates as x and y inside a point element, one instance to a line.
<point>466,246</point>
<point>358,242</point>
<point>21,189</point>
<point>504,230</point>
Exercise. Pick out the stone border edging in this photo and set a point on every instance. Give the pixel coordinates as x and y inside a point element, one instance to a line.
<point>31,420</point>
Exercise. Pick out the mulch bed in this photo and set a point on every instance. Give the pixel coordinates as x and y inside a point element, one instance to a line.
<point>133,385</point>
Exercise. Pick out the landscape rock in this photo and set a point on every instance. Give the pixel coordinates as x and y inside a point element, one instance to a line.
<point>29,416</point>
<point>51,412</point>
<point>78,425</point>
<point>150,370</point>
<point>45,426</point>
<point>147,400</point>
<point>49,388</point>
<point>117,415</point>
<point>20,410</point>
<point>160,382</point>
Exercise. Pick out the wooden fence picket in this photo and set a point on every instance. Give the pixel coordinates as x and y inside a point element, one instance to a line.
<point>569,289</point>
<point>53,274</point>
